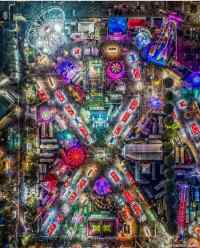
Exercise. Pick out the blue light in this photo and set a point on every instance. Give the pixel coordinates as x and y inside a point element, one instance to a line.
<point>65,69</point>
<point>155,103</point>
<point>117,24</point>
<point>159,57</point>
<point>142,39</point>
<point>102,186</point>
<point>193,80</point>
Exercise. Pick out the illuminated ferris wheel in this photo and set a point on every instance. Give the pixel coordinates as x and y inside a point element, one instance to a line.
<point>46,33</point>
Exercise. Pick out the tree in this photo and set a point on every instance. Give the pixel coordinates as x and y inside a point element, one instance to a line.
<point>169,120</point>
<point>169,95</point>
<point>168,108</point>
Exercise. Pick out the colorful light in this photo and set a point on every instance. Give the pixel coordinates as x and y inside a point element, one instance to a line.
<point>45,114</point>
<point>50,182</point>
<point>155,103</point>
<point>193,80</point>
<point>132,58</point>
<point>115,70</point>
<point>102,187</point>
<point>66,69</point>
<point>142,39</point>
<point>117,24</point>
<point>75,156</point>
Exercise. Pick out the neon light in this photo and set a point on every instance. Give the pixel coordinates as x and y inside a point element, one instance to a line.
<point>102,186</point>
<point>136,209</point>
<point>81,185</point>
<point>195,129</point>
<point>60,96</point>
<point>51,229</point>
<point>130,178</point>
<point>72,198</point>
<point>66,69</point>
<point>114,176</point>
<point>43,96</point>
<point>182,104</point>
<point>118,130</point>
<point>136,22</point>
<point>69,110</point>
<point>84,132</point>
<point>126,117</point>
<point>133,104</point>
<point>136,73</point>
<point>128,196</point>
<point>115,70</point>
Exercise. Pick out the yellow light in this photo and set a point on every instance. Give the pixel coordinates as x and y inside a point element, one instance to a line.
<point>139,86</point>
<point>157,83</point>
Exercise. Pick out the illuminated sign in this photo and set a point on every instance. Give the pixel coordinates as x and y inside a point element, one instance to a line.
<point>103,228</point>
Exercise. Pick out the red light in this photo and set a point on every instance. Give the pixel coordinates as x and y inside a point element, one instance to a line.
<point>128,196</point>
<point>72,198</point>
<point>135,22</point>
<point>75,156</point>
<point>195,129</point>
<point>42,94</point>
<point>125,117</point>
<point>133,104</point>
<point>84,132</point>
<point>60,218</point>
<point>50,181</point>
<point>115,177</point>
<point>130,178</point>
<point>60,96</point>
<point>81,184</point>
<point>51,229</point>
<point>136,208</point>
<point>137,73</point>
<point>118,129</point>
<point>69,110</point>
<point>182,104</point>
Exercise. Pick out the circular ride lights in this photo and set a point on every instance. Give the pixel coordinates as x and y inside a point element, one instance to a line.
<point>46,33</point>
<point>75,156</point>
<point>102,187</point>
<point>115,70</point>
<point>142,39</point>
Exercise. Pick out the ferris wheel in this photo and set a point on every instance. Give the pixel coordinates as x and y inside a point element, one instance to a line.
<point>46,33</point>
